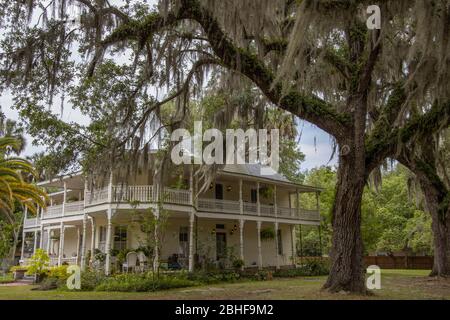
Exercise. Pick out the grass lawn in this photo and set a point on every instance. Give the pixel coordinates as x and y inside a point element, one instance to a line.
<point>396,284</point>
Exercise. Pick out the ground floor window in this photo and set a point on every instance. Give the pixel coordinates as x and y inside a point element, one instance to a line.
<point>120,237</point>
<point>183,238</point>
<point>280,242</point>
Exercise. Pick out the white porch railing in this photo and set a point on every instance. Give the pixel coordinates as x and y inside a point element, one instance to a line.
<point>286,212</point>
<point>73,208</point>
<point>250,208</point>
<point>133,193</point>
<point>267,210</point>
<point>53,212</point>
<point>233,207</point>
<point>312,215</point>
<point>32,222</point>
<point>176,196</point>
<point>215,205</point>
<point>97,196</point>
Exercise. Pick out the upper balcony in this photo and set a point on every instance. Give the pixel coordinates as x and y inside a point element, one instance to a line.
<point>237,190</point>
<point>149,194</point>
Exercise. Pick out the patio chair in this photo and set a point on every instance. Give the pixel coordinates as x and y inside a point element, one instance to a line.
<point>130,262</point>
<point>143,261</point>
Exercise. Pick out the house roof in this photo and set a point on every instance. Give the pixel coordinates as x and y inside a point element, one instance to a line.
<point>267,174</point>
<point>254,172</point>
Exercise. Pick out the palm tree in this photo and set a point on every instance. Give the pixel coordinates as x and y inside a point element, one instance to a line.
<point>15,191</point>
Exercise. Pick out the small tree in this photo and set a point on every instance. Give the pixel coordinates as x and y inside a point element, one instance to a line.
<point>153,226</point>
<point>39,262</point>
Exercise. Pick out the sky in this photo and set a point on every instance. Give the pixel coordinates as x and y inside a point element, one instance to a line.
<point>314,143</point>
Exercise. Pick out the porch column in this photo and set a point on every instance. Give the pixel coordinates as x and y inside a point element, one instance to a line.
<point>49,239</point>
<point>258,230</point>
<point>41,238</point>
<point>83,245</point>
<point>156,235</point>
<point>23,232</point>
<point>191,241</point>
<point>258,205</point>
<point>277,261</point>
<point>293,244</point>
<point>241,239</point>
<point>241,202</point>
<point>275,206</point>
<point>78,245</point>
<point>61,244</point>
<point>92,239</point>
<point>297,203</point>
<point>35,241</point>
<point>110,187</point>
<point>108,242</point>
<point>64,199</point>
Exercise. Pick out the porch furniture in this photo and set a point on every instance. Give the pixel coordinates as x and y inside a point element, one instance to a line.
<point>130,262</point>
<point>143,262</point>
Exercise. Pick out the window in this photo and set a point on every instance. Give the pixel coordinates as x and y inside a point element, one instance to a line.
<point>254,196</point>
<point>120,237</point>
<point>183,238</point>
<point>280,242</point>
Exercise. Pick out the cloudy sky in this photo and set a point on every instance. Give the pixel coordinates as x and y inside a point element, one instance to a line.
<point>314,143</point>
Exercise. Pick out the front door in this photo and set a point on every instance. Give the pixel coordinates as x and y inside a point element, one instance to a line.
<point>219,191</point>
<point>221,245</point>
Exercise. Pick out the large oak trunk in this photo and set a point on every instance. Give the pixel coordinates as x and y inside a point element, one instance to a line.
<point>347,272</point>
<point>435,200</point>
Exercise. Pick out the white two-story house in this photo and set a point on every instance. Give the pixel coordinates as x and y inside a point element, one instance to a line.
<point>231,215</point>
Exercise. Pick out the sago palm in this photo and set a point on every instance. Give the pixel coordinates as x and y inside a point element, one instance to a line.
<point>13,188</point>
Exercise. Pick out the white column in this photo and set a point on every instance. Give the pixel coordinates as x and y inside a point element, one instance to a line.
<point>258,204</point>
<point>277,246</point>
<point>108,242</point>
<point>41,238</point>
<point>78,244</point>
<point>298,203</point>
<point>275,206</point>
<point>293,244</point>
<point>156,235</point>
<point>92,239</point>
<point>241,240</point>
<point>241,201</point>
<point>35,242</point>
<point>110,187</point>
<point>258,230</point>
<point>191,241</point>
<point>83,244</point>
<point>61,244</point>
<point>64,199</point>
<point>49,236</point>
<point>191,185</point>
<point>23,232</point>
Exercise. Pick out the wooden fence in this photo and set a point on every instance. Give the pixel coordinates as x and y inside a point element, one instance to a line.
<point>400,262</point>
<point>386,262</point>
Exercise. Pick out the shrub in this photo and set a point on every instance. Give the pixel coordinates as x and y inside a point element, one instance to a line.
<point>308,269</point>
<point>210,277</point>
<point>49,284</point>
<point>142,283</point>
<point>238,264</point>
<point>58,272</point>
<point>19,268</point>
<point>7,278</point>
<point>38,263</point>
<point>91,279</point>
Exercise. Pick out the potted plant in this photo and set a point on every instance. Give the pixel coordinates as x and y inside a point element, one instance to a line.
<point>267,234</point>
